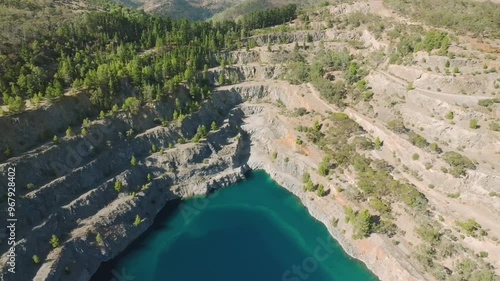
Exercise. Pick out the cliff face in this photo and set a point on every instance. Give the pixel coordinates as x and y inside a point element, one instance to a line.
<point>77,200</point>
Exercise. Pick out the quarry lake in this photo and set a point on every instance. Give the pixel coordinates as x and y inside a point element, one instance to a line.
<point>252,230</point>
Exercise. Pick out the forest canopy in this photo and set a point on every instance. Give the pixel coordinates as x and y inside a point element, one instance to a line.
<point>114,51</point>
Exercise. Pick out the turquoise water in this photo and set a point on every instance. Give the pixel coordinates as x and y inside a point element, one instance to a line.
<point>253,230</point>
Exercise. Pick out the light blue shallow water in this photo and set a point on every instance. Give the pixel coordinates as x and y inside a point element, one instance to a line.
<point>253,230</point>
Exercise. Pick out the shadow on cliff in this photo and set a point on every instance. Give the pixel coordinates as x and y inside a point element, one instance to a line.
<point>106,269</point>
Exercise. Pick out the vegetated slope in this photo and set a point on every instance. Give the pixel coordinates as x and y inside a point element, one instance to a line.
<point>478,18</point>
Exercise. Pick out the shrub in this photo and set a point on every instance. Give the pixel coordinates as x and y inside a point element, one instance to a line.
<point>417,140</point>
<point>449,115</point>
<point>36,259</point>
<point>397,126</point>
<point>306,177</point>
<point>483,254</point>
<point>415,156</point>
<point>453,195</point>
<point>274,154</point>
<point>473,124</point>
<point>470,226</point>
<point>495,126</point>
<point>287,159</point>
<point>458,163</point>
<point>488,102</point>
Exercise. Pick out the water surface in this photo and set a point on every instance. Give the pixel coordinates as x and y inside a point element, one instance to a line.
<point>254,230</point>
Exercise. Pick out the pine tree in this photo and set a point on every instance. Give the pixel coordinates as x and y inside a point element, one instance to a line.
<point>54,241</point>
<point>213,126</point>
<point>133,161</point>
<point>118,186</point>
<point>137,220</point>
<point>378,143</point>
<point>98,238</point>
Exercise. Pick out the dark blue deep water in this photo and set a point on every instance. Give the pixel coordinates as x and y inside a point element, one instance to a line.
<point>253,230</point>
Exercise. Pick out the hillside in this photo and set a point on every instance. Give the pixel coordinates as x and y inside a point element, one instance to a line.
<point>382,117</point>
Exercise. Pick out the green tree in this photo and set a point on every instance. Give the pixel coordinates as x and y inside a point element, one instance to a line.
<point>98,238</point>
<point>324,165</point>
<point>137,220</point>
<point>362,224</point>
<point>473,124</point>
<point>68,132</point>
<point>118,186</point>
<point>15,104</point>
<point>84,132</point>
<point>378,143</point>
<point>133,161</point>
<point>320,191</point>
<point>55,140</point>
<point>36,259</point>
<point>213,126</point>
<point>132,105</point>
<point>54,241</point>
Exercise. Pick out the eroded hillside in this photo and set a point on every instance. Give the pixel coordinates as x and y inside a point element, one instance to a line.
<point>386,128</point>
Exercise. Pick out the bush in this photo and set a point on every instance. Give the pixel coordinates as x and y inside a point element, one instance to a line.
<point>397,126</point>
<point>473,124</point>
<point>274,154</point>
<point>415,156</point>
<point>118,186</point>
<point>470,226</point>
<point>459,163</point>
<point>495,126</point>
<point>417,140</point>
<point>449,115</point>
<point>488,102</point>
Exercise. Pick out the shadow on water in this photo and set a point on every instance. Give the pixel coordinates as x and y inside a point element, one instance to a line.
<point>105,270</point>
